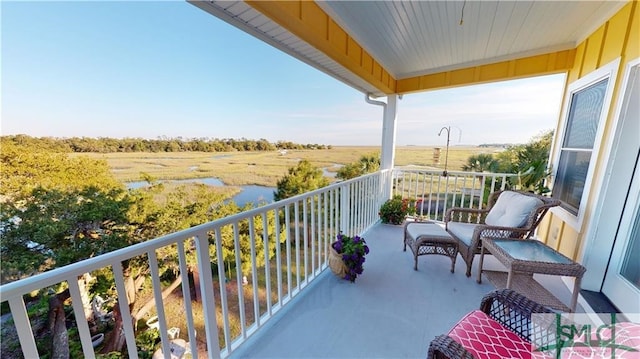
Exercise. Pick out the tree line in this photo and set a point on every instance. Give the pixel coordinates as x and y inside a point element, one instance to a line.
<point>162,144</point>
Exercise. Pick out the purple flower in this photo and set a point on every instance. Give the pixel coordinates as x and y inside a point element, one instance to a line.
<point>352,250</point>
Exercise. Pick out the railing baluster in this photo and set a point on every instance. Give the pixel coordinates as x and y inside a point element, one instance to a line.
<point>157,294</point>
<point>415,185</point>
<point>222,278</point>
<point>81,319</point>
<point>367,206</point>
<point>344,210</point>
<point>455,193</point>
<point>327,233</point>
<point>278,255</point>
<point>312,238</point>
<point>354,208</point>
<point>431,197</point>
<point>254,272</point>
<point>361,209</point>
<point>208,299</point>
<point>23,327</point>
<point>267,266</point>
<point>123,303</point>
<point>319,232</point>
<point>297,214</point>
<point>287,221</point>
<point>239,280</point>
<point>186,295</point>
<point>305,236</point>
<point>493,185</point>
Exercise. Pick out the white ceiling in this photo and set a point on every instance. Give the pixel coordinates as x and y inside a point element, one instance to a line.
<point>410,38</point>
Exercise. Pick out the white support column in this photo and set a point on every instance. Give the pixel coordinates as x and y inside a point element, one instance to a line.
<point>388,153</point>
<point>389,126</point>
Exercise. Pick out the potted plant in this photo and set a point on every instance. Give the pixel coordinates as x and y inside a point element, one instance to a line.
<point>396,209</point>
<point>346,256</point>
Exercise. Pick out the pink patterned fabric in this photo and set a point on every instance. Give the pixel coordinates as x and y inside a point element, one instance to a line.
<point>484,337</point>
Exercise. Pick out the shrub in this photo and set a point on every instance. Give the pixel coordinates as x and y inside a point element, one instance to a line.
<point>396,209</point>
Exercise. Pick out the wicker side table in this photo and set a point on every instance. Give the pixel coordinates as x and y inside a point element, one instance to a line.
<point>523,258</point>
<point>429,238</point>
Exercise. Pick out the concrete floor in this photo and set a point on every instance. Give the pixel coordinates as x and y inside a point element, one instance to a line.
<point>391,311</point>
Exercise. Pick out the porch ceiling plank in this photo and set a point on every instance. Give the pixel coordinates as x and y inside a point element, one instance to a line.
<point>504,25</point>
<point>473,39</point>
<point>270,28</point>
<point>253,17</point>
<point>284,37</point>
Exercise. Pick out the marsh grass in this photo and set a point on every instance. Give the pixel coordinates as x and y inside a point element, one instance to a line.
<point>266,168</point>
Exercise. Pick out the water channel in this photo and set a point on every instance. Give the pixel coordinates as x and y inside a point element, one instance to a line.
<point>248,193</point>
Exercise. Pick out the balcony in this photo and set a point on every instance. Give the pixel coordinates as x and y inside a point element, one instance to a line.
<point>283,302</point>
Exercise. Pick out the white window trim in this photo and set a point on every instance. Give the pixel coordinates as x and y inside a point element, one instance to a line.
<point>610,71</point>
<point>594,244</point>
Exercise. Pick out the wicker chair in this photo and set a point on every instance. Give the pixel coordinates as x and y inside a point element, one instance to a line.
<point>512,312</point>
<point>509,214</point>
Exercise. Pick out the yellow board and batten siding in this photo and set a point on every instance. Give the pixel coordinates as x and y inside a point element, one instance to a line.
<point>546,64</point>
<point>619,37</point>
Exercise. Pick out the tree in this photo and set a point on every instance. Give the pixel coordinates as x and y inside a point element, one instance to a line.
<point>481,163</point>
<point>25,167</point>
<point>530,161</point>
<point>366,164</point>
<point>302,178</point>
<point>53,209</point>
<point>57,210</point>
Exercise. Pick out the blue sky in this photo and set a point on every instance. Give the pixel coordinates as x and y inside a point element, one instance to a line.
<point>150,69</point>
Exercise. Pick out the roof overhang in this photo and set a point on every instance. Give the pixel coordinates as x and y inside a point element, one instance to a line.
<point>386,47</point>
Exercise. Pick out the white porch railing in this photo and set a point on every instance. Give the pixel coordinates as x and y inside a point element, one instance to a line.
<point>435,192</point>
<point>295,232</point>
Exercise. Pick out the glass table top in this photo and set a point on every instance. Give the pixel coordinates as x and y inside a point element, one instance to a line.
<point>531,250</point>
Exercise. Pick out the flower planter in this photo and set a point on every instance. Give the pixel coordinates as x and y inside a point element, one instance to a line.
<point>336,264</point>
<point>346,256</point>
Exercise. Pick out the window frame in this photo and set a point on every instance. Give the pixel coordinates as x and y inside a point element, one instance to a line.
<point>608,71</point>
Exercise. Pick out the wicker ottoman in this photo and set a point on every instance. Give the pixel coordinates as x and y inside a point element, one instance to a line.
<point>429,238</point>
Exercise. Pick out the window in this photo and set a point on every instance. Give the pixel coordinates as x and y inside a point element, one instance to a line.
<point>584,116</point>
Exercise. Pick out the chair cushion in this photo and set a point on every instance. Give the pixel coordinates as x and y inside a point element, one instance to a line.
<point>512,209</point>
<point>462,231</point>
<point>432,230</point>
<point>484,337</point>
